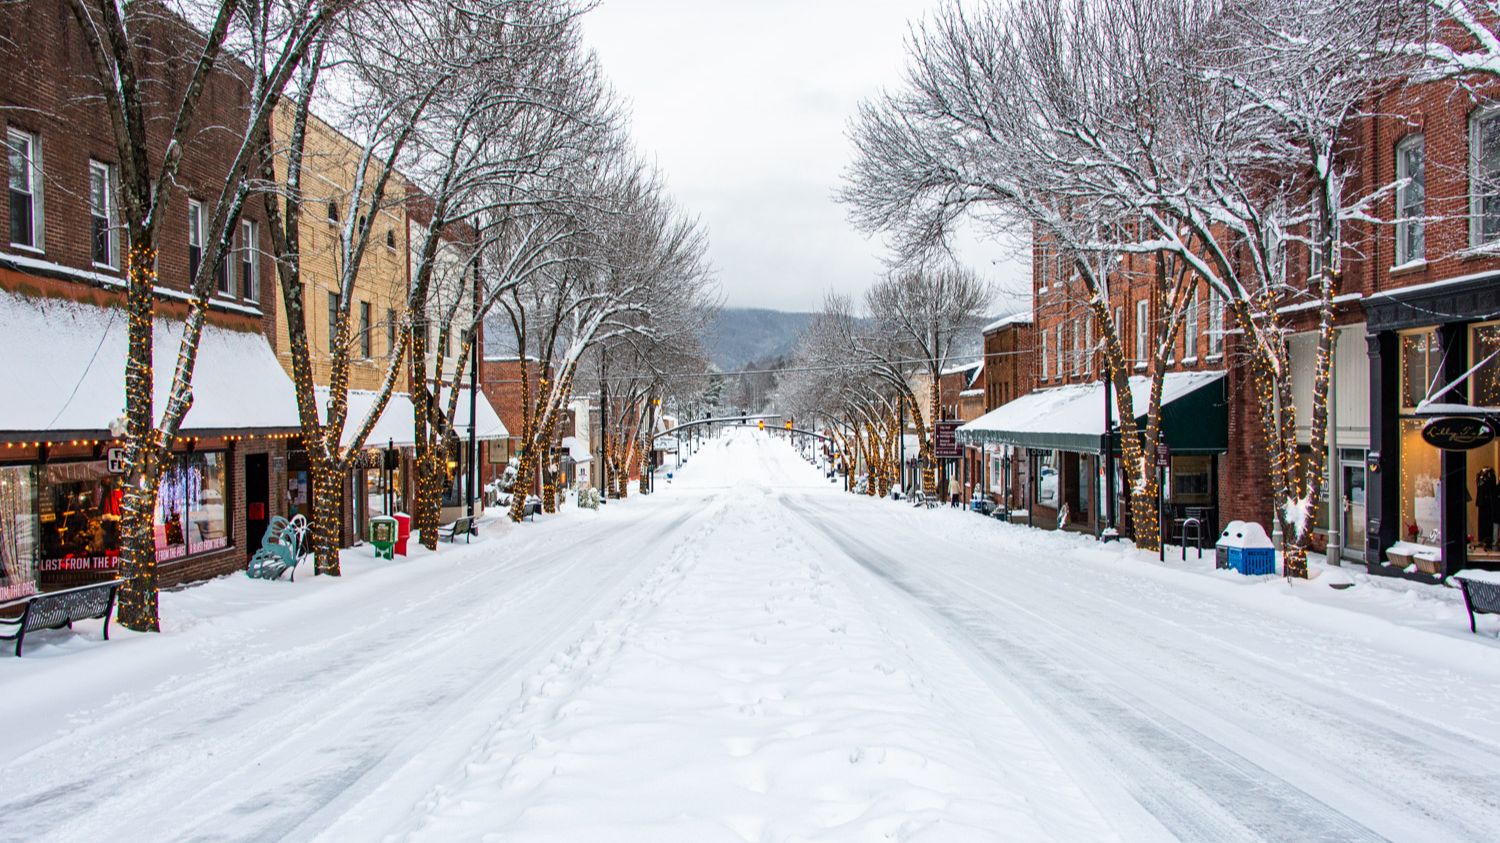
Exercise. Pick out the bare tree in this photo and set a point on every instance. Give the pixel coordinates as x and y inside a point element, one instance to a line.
<point>267,40</point>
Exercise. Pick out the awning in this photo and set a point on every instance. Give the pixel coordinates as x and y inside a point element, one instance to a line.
<point>1071,418</point>
<point>577,448</point>
<point>66,365</point>
<point>395,423</point>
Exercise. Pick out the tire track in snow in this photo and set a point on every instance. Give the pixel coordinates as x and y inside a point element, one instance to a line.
<point>1198,788</point>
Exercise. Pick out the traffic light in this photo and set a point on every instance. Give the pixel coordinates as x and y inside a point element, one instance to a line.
<point>788,424</point>
<point>761,424</point>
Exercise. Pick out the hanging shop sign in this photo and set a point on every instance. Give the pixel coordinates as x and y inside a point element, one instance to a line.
<point>1163,455</point>
<point>1457,433</point>
<point>945,440</point>
<point>114,460</point>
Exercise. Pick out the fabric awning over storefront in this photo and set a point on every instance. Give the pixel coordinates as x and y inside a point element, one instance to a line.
<point>395,424</point>
<point>66,366</point>
<point>1071,418</point>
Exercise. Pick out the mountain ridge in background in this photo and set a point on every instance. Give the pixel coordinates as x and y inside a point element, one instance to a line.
<point>739,336</point>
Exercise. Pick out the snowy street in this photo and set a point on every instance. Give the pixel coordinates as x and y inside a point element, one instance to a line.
<point>752,654</point>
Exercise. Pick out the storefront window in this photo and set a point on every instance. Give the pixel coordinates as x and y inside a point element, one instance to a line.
<point>1192,481</point>
<point>1420,363</point>
<point>18,532</point>
<point>78,510</point>
<point>190,505</point>
<point>1420,472</point>
<point>1484,352</point>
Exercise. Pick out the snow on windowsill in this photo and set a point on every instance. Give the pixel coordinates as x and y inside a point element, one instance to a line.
<point>24,263</point>
<point>1408,267</point>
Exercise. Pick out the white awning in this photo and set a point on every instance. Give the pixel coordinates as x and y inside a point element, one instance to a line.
<point>577,448</point>
<point>66,364</point>
<point>395,426</point>
<point>1072,417</point>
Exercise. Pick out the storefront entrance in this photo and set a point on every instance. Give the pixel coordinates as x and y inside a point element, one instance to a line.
<point>257,499</point>
<point>1354,511</point>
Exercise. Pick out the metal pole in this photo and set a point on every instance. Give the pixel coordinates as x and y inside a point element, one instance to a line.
<point>1335,470</point>
<point>901,434</point>
<point>473,478</point>
<point>1109,456</point>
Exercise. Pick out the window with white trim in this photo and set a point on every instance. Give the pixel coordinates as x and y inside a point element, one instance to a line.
<point>1077,346</point>
<point>1142,322</point>
<point>1088,346</point>
<point>1484,176</point>
<point>1411,200</point>
<point>1046,349</point>
<point>249,265</point>
<point>1190,329</point>
<point>104,246</point>
<point>333,319</point>
<point>1061,350</point>
<point>195,238</point>
<point>23,153</point>
<point>1215,324</point>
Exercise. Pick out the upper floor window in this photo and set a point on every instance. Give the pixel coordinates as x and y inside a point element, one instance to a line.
<point>1190,329</point>
<point>333,212</point>
<point>104,243</point>
<point>1046,350</point>
<point>249,266</point>
<point>1411,200</point>
<point>195,238</point>
<point>390,239</point>
<point>364,330</point>
<point>1088,346</point>
<point>333,320</point>
<point>390,331</point>
<point>1484,176</point>
<point>1215,324</point>
<point>1142,323</point>
<point>1421,362</point>
<point>1314,251</point>
<point>24,156</point>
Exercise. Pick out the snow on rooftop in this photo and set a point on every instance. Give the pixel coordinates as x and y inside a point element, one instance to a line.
<point>1022,318</point>
<point>962,367</point>
<point>66,361</point>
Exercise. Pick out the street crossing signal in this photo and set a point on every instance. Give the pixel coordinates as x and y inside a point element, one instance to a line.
<point>788,424</point>
<point>761,424</point>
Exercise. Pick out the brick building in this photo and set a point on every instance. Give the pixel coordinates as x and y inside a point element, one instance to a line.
<point>61,280</point>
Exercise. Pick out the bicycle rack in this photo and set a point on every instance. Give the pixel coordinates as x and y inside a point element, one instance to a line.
<point>1197,526</point>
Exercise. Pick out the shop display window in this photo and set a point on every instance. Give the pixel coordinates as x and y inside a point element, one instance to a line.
<point>190,505</point>
<point>1420,363</point>
<point>1421,470</point>
<point>18,532</point>
<point>78,513</point>
<point>1484,353</point>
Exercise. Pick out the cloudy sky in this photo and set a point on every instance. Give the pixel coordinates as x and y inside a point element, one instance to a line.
<point>744,106</point>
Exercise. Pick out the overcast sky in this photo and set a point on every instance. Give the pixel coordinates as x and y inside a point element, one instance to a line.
<point>744,106</point>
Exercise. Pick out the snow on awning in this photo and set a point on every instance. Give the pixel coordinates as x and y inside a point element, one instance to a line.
<point>395,424</point>
<point>66,363</point>
<point>1071,418</point>
<point>577,448</point>
<point>486,421</point>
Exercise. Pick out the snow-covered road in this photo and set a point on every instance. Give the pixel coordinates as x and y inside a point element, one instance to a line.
<point>752,655</point>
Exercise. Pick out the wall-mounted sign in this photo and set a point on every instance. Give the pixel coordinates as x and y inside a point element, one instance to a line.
<point>1457,433</point>
<point>1163,455</point>
<point>114,460</point>
<point>945,440</point>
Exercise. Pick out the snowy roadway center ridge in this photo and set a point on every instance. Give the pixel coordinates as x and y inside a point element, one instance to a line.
<point>747,691</point>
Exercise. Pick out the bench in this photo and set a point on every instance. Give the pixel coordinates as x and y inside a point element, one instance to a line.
<point>58,609</point>
<point>449,532</point>
<point>532,507</point>
<point>1481,597</point>
<point>281,548</point>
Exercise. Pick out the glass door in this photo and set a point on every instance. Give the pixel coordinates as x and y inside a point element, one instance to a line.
<point>1354,510</point>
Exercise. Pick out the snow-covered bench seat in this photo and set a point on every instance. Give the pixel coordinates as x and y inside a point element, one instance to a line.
<point>1481,593</point>
<point>57,609</point>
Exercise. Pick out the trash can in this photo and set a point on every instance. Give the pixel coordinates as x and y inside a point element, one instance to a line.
<point>383,532</point>
<point>403,531</point>
<point>1245,547</point>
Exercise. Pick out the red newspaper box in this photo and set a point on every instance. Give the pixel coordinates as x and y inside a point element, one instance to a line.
<point>403,531</point>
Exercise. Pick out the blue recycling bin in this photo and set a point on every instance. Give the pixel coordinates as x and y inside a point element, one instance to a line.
<point>1245,547</point>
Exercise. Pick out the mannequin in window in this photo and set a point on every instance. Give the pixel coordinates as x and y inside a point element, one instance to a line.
<point>1487,501</point>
